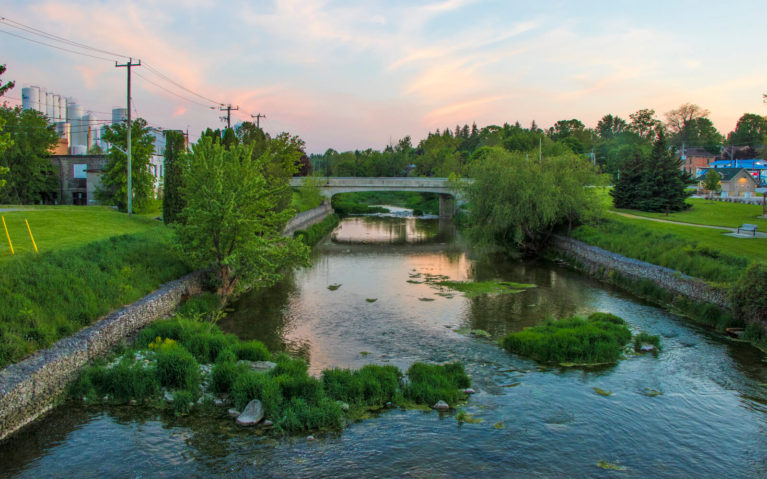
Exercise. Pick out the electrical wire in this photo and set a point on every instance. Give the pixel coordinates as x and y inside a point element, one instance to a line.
<point>54,46</point>
<point>169,80</point>
<point>172,93</point>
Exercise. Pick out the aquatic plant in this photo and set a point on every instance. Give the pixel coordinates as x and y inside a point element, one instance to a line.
<point>334,287</point>
<point>600,338</point>
<point>472,289</point>
<point>429,383</point>
<point>177,368</point>
<point>643,338</point>
<point>252,351</point>
<point>463,416</point>
<point>602,392</point>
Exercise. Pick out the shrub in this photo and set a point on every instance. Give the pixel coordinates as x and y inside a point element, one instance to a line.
<point>252,351</point>
<point>123,382</point>
<point>429,383</point>
<point>755,333</point>
<point>299,415</point>
<point>182,402</point>
<point>748,296</point>
<point>646,338</point>
<point>207,346</point>
<point>227,355</point>
<point>261,386</point>
<point>177,368</point>
<point>316,232</point>
<point>200,305</point>
<point>598,339</point>
<point>289,366</point>
<point>225,374</point>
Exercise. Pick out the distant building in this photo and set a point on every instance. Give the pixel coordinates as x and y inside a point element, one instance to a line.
<point>79,177</point>
<point>696,159</point>
<point>736,183</point>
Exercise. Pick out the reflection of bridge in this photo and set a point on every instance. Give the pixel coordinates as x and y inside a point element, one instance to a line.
<point>448,195</point>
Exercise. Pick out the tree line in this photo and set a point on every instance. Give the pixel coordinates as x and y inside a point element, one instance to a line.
<point>611,145</point>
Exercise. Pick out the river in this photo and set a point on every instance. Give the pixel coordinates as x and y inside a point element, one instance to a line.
<point>698,409</point>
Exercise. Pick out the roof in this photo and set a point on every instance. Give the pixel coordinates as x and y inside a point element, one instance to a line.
<point>753,164</point>
<point>729,173</point>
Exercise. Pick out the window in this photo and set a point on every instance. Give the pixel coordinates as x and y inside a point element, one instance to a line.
<point>78,171</point>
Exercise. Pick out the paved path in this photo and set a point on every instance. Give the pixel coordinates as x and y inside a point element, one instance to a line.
<point>732,231</point>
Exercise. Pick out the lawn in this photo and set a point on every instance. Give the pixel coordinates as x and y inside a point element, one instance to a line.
<point>63,227</point>
<point>714,213</point>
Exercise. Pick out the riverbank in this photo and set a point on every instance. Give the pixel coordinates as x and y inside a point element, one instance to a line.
<point>33,386</point>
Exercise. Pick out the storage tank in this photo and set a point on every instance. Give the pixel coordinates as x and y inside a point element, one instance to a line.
<point>62,129</point>
<point>79,129</point>
<point>50,107</point>
<point>30,98</point>
<point>60,105</point>
<point>92,133</point>
<point>78,150</point>
<point>119,115</point>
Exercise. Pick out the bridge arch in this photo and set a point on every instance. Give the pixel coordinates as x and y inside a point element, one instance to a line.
<point>449,197</point>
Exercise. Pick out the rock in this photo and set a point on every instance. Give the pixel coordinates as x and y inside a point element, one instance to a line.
<point>252,415</point>
<point>344,406</point>
<point>647,347</point>
<point>267,423</point>
<point>441,406</point>
<point>259,366</point>
<point>132,402</point>
<point>168,396</point>
<point>233,412</point>
<point>310,438</point>
<point>469,391</point>
<point>218,402</point>
<point>388,403</point>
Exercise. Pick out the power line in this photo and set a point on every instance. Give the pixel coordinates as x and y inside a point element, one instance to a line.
<point>173,93</point>
<point>36,31</point>
<point>169,80</point>
<point>54,46</point>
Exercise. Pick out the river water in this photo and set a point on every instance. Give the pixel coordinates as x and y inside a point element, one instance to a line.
<point>699,409</point>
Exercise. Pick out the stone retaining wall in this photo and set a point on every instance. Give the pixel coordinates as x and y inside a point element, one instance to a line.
<point>307,218</point>
<point>32,387</point>
<point>593,258</point>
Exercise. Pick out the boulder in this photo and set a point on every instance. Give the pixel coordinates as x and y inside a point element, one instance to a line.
<point>168,396</point>
<point>259,366</point>
<point>252,415</point>
<point>647,347</point>
<point>469,391</point>
<point>233,412</point>
<point>441,406</point>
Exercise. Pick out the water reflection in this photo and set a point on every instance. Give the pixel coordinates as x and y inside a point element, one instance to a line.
<point>392,230</point>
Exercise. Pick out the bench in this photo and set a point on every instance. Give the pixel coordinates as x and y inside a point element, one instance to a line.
<point>747,227</point>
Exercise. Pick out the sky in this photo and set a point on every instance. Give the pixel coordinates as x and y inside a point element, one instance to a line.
<point>362,74</point>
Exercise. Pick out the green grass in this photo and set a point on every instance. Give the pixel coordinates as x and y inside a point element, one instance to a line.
<point>646,338</point>
<point>423,203</point>
<point>168,354</point>
<point>600,338</point>
<point>714,213</point>
<point>65,227</point>
<point>312,235</point>
<point>52,295</point>
<point>700,252</point>
<point>472,289</point>
<point>304,202</point>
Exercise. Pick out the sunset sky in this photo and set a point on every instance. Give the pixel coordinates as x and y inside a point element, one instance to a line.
<point>361,74</point>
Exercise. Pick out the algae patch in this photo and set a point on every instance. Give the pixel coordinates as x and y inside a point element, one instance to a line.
<point>371,300</point>
<point>463,416</point>
<point>425,299</point>
<point>334,287</point>
<point>472,289</point>
<point>602,392</point>
<point>610,466</point>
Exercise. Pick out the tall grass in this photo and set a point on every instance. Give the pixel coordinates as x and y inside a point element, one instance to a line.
<point>600,338</point>
<point>52,295</point>
<point>312,235</point>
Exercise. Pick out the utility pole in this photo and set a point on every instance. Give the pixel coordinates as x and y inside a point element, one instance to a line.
<point>128,129</point>
<point>228,109</point>
<point>258,117</point>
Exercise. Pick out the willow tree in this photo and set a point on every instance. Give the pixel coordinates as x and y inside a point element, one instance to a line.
<point>231,218</point>
<point>519,202</point>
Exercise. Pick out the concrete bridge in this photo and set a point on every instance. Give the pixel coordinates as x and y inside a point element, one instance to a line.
<point>449,198</point>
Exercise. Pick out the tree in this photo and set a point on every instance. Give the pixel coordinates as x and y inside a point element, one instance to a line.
<point>627,193</point>
<point>31,177</point>
<point>644,123</point>
<point>518,203</point>
<point>8,85</point>
<point>712,182</point>
<point>114,177</point>
<point>172,201</point>
<point>700,132</point>
<point>686,113</point>
<point>611,126</point>
<point>232,218</point>
<point>749,131</point>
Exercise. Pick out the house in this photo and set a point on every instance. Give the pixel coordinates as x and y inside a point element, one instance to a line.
<point>79,177</point>
<point>736,182</point>
<point>696,159</point>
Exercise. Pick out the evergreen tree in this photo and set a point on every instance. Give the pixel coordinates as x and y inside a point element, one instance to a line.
<point>172,201</point>
<point>626,193</point>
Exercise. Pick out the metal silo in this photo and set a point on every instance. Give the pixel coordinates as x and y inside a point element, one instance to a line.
<point>30,98</point>
<point>62,128</point>
<point>50,106</point>
<point>119,115</point>
<point>79,135</point>
<point>60,108</point>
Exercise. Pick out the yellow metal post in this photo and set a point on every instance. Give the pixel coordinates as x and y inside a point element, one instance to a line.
<point>30,235</point>
<point>7,235</point>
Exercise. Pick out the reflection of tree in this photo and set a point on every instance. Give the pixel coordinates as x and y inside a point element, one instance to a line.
<point>558,293</point>
<point>260,314</point>
<point>391,230</point>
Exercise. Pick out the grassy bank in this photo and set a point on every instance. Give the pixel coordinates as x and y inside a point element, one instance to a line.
<point>64,227</point>
<point>700,252</point>
<point>197,364</point>
<point>52,295</point>
<point>313,234</point>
